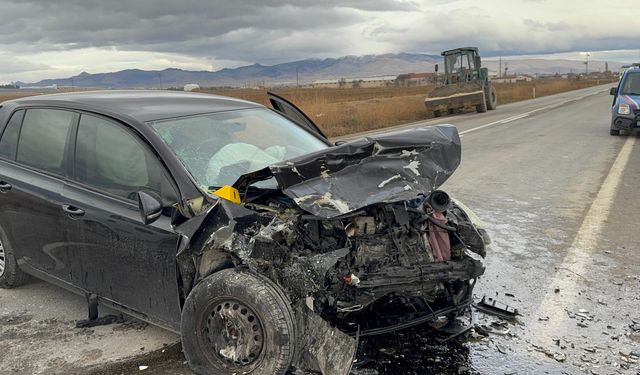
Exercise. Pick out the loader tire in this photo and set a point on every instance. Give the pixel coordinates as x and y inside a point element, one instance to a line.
<point>482,107</point>
<point>492,98</point>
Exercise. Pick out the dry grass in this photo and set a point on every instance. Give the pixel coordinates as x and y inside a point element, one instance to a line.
<point>15,95</point>
<point>515,92</point>
<point>352,110</point>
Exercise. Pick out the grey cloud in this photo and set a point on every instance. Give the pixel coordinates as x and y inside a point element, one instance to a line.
<point>271,31</point>
<point>12,65</point>
<point>202,28</point>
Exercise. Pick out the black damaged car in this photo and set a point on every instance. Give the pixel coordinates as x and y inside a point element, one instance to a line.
<point>240,227</point>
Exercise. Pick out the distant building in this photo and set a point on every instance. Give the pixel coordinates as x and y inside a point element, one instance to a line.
<point>379,81</point>
<point>415,79</point>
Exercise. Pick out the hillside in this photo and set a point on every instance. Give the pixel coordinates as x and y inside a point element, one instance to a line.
<point>307,71</point>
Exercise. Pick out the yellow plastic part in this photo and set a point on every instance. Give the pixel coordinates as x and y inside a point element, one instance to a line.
<point>229,193</point>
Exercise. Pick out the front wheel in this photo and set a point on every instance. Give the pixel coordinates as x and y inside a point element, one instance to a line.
<point>237,322</point>
<point>614,132</point>
<point>481,108</point>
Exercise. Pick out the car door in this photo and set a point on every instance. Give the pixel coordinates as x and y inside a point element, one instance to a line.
<point>293,113</point>
<point>33,164</point>
<point>111,252</point>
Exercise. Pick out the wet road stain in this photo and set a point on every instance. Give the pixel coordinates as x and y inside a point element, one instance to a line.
<point>412,351</point>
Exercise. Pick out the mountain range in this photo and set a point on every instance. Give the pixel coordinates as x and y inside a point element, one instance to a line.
<point>306,71</point>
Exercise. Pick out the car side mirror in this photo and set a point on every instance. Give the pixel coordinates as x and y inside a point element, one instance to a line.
<point>150,206</point>
<point>613,91</point>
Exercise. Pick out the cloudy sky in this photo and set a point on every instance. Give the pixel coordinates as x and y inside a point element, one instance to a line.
<point>51,39</point>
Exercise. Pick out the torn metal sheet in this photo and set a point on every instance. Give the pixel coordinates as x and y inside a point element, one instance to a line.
<point>324,349</point>
<point>384,168</point>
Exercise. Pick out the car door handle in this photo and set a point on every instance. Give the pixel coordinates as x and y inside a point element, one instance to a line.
<point>4,187</point>
<point>72,210</point>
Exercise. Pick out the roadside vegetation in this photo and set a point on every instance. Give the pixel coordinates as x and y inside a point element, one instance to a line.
<point>343,111</point>
<point>340,111</point>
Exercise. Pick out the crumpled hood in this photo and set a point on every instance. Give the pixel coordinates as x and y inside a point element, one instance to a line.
<point>384,168</point>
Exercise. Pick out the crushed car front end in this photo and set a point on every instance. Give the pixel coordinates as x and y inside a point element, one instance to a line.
<point>357,237</point>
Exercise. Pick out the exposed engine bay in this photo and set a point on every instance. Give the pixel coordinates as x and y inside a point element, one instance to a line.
<point>374,269</point>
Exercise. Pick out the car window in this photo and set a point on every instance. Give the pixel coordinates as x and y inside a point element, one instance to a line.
<point>43,138</point>
<point>112,159</point>
<point>9,141</point>
<point>632,84</point>
<point>453,63</point>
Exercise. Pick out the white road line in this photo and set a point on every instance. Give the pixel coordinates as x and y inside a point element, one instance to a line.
<point>527,114</point>
<point>570,274</point>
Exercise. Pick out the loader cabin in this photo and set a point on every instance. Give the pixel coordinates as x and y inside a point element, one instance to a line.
<point>462,64</point>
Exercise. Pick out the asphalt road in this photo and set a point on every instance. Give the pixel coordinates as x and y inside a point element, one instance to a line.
<point>558,195</point>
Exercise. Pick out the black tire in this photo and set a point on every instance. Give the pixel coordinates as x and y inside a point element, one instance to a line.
<point>492,98</point>
<point>614,132</point>
<point>231,307</point>
<point>11,276</point>
<point>481,108</point>
<point>437,113</point>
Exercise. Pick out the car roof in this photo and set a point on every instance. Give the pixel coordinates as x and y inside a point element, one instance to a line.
<point>142,105</point>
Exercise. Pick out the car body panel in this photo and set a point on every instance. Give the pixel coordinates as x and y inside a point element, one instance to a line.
<point>111,253</point>
<point>293,113</point>
<point>34,201</point>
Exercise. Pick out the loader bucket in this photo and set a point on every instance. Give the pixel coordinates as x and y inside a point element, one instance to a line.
<point>457,96</point>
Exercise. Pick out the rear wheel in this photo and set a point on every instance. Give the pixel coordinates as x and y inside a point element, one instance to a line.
<point>11,275</point>
<point>614,132</point>
<point>237,322</point>
<point>492,98</point>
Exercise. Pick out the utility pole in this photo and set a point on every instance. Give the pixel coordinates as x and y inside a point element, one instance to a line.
<point>500,67</point>
<point>586,63</point>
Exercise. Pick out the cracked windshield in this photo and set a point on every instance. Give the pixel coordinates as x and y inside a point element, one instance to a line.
<point>218,148</point>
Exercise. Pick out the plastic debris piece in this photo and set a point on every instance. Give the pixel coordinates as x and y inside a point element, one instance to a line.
<point>491,306</point>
